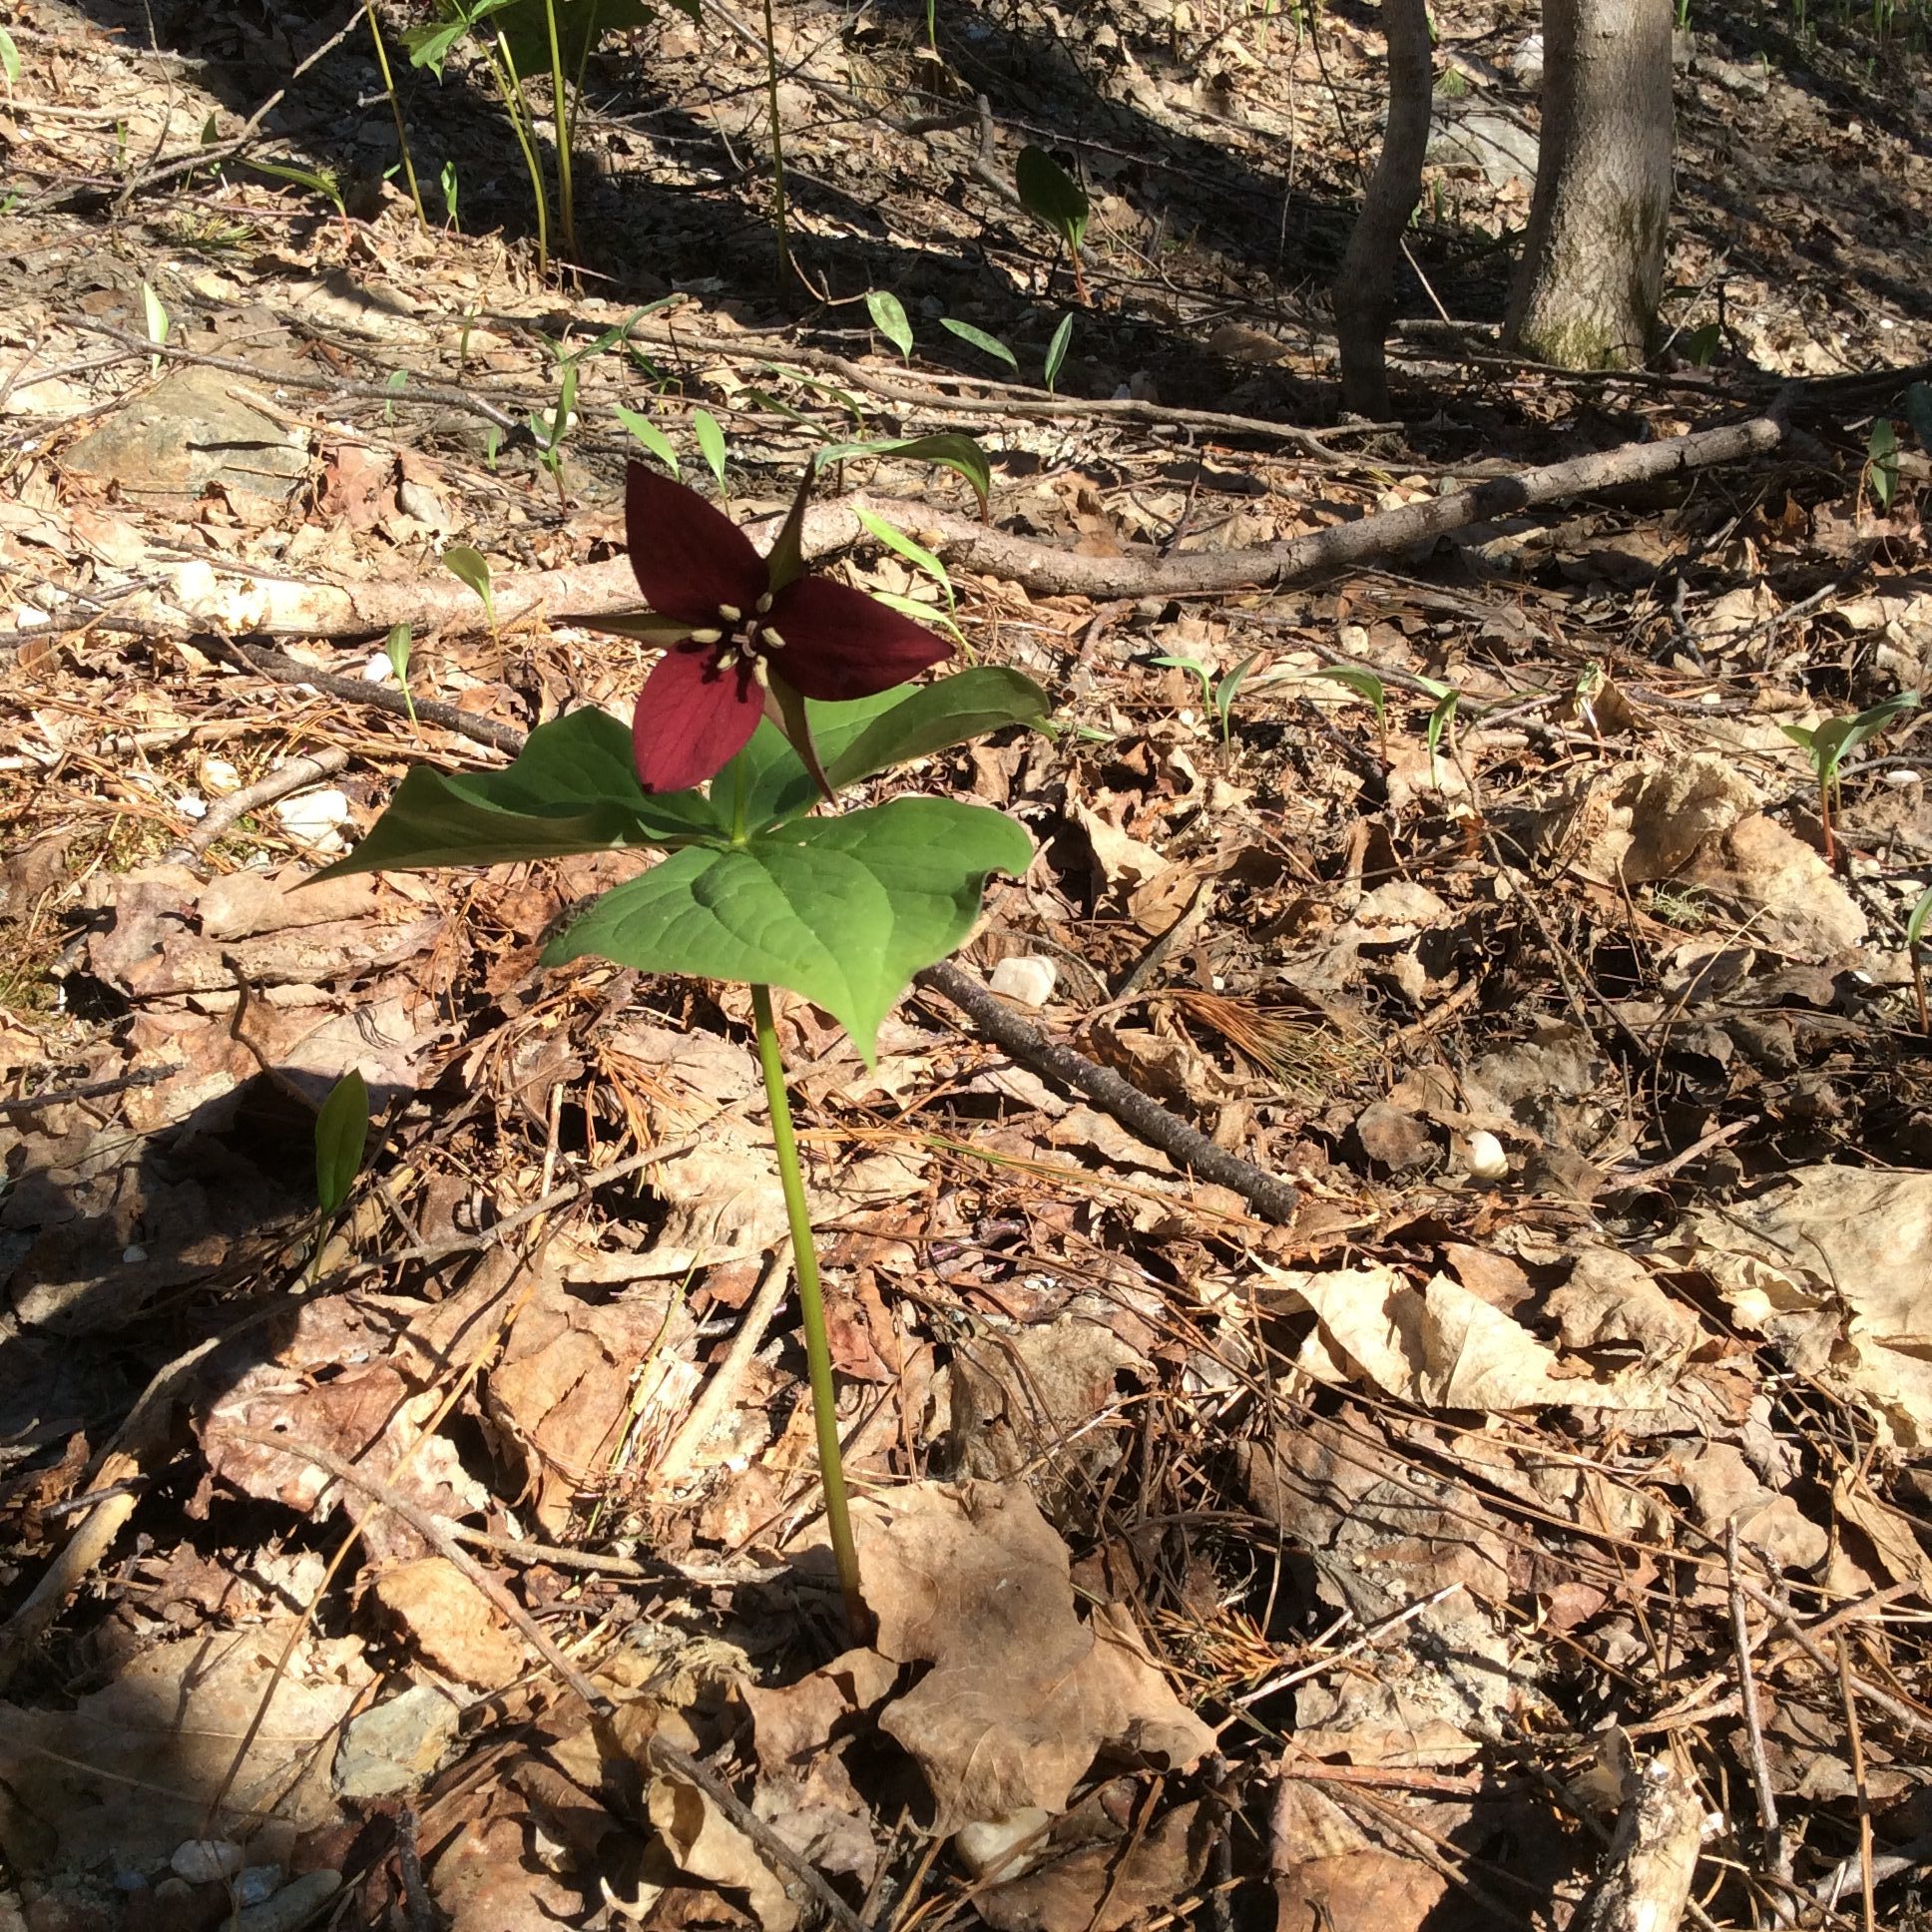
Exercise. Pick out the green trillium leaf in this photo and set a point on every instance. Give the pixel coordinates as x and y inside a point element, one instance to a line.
<point>573,789</point>
<point>842,910</point>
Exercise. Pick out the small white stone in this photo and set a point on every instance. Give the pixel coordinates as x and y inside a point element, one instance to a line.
<point>1484,1157</point>
<point>1030,980</point>
<point>315,815</point>
<point>200,1861</point>
<point>134,1256</point>
<point>191,806</point>
<point>218,774</point>
<point>988,1844</point>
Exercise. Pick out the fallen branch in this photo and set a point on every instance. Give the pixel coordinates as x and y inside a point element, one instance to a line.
<point>587,592</point>
<point>1274,1197</point>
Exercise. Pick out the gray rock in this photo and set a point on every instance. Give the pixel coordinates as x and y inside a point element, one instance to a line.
<point>397,1747</point>
<point>1468,133</point>
<point>188,431</point>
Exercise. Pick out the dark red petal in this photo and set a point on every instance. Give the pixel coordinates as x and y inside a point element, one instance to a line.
<point>839,643</point>
<point>688,557</point>
<point>692,719</point>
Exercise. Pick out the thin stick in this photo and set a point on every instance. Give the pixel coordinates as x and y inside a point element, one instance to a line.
<point>728,1375</point>
<point>1857,1741</point>
<point>1780,1857</point>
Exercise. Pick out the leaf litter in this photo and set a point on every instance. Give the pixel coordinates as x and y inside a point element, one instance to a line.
<point>1536,1520</point>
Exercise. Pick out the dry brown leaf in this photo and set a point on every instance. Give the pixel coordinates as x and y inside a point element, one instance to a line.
<point>1370,1887</point>
<point>449,1620</point>
<point>1101,1887</point>
<point>705,1844</point>
<point>1021,1695</point>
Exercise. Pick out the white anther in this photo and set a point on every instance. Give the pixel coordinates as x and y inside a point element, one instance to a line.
<point>770,639</point>
<point>708,637</point>
<point>762,672</point>
<point>730,613</point>
<point>763,604</point>
<point>727,661</point>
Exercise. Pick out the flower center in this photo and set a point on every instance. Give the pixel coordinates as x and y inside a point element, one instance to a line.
<point>743,642</point>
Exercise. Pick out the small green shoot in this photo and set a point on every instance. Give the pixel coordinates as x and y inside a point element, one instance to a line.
<point>395,383</point>
<point>651,436</point>
<point>951,448</point>
<point>915,553</point>
<point>1881,463</point>
<point>890,319</point>
<point>156,318</point>
<point>1914,937</point>
<point>1217,694</point>
<point>1442,719</point>
<point>1057,352</point>
<point>1702,344</point>
<point>985,343</point>
<point>1050,195</point>
<point>711,444</point>
<point>1827,745</point>
<point>398,649</point>
<point>449,187</point>
<point>492,442</point>
<point>9,59</point>
<point>471,567</point>
<point>1370,688</point>
<point>318,181</point>
<point>551,427</point>
<point>341,1138</point>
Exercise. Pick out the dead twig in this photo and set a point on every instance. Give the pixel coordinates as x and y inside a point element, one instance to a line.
<point>1776,1849</point>
<point>288,778</point>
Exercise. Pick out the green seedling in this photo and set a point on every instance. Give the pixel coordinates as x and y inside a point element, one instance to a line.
<point>395,383</point>
<point>1050,195</point>
<point>915,553</point>
<point>9,59</point>
<point>951,448</point>
<point>1881,463</point>
<point>449,187</point>
<point>710,445</point>
<point>890,319</point>
<point>1370,688</point>
<point>1057,352</point>
<point>1915,938</point>
<point>651,436</point>
<point>397,649</point>
<point>318,181</point>
<point>341,1138</point>
<point>1216,693</point>
<point>1442,719</point>
<point>1827,745</point>
<point>985,343</point>
<point>1918,412</point>
<point>550,428</point>
<point>156,318</point>
<point>471,567</point>
<point>492,442</point>
<point>1702,344</point>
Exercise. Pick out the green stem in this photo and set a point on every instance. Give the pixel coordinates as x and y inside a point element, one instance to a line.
<point>504,66</point>
<point>779,218</point>
<point>560,120</point>
<point>811,1309</point>
<point>395,107</point>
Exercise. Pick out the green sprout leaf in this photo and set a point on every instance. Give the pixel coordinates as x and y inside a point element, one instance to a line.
<point>341,1135</point>
<point>915,553</point>
<point>318,181</point>
<point>711,442</point>
<point>651,436</point>
<point>842,910</point>
<point>398,652</point>
<point>1365,684</point>
<point>9,59</point>
<point>470,567</point>
<point>1226,690</point>
<point>890,319</point>
<point>1194,665</point>
<point>1702,344</point>
<point>985,343</point>
<point>449,185</point>
<point>952,448</point>
<point>1050,195</point>
<point>1881,461</point>
<point>156,318</point>
<point>1918,412</point>
<point>1439,722</point>
<point>1915,926</point>
<point>1057,352</point>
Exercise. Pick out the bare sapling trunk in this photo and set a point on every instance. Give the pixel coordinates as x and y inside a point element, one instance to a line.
<point>1365,289</point>
<point>1591,267</point>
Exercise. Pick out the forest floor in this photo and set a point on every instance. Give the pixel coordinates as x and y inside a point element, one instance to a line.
<point>1547,1498</point>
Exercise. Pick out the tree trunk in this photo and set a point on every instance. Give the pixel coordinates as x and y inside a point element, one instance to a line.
<point>1365,289</point>
<point>1591,267</point>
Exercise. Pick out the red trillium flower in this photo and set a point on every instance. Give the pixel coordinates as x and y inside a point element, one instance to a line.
<point>754,637</point>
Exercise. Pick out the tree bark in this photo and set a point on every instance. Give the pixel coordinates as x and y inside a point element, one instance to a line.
<point>1592,267</point>
<point>1365,288</point>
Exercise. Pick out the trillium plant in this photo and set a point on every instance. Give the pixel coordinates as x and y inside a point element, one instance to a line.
<point>778,691</point>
